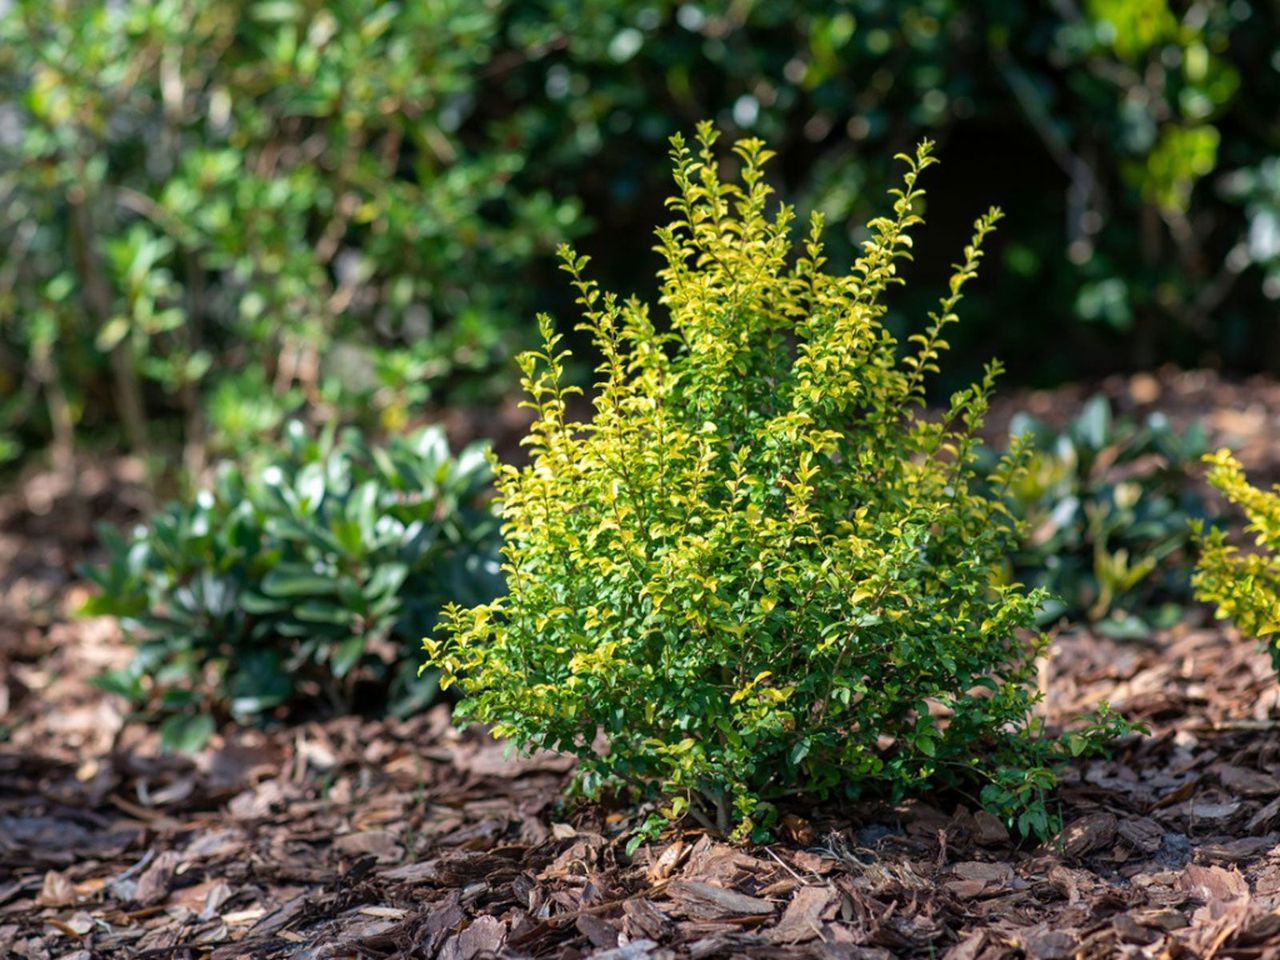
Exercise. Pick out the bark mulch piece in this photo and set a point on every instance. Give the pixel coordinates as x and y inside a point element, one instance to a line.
<point>368,838</point>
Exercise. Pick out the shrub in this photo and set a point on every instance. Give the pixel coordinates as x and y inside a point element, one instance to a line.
<point>195,187</point>
<point>1106,506</point>
<point>759,570</point>
<point>300,580</point>
<point>1244,586</point>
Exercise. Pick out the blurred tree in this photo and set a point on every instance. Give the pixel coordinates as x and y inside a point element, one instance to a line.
<point>231,209</point>
<point>1100,125</point>
<point>274,192</point>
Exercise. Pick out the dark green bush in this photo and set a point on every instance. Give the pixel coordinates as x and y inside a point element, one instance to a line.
<point>300,580</point>
<point>760,570</point>
<point>1137,166</point>
<point>1106,506</point>
<point>268,201</point>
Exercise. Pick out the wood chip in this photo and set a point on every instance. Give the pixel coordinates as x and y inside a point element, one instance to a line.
<point>485,937</point>
<point>802,919</point>
<point>1050,945</point>
<point>603,935</point>
<point>1264,817</point>
<point>642,918</point>
<point>156,880</point>
<point>1088,834</point>
<point>992,873</point>
<point>1141,833</point>
<point>1212,883</point>
<point>386,913</point>
<point>989,830</point>
<point>381,844</point>
<point>237,918</point>
<point>1235,851</point>
<point>1244,782</point>
<point>635,950</point>
<point>705,901</point>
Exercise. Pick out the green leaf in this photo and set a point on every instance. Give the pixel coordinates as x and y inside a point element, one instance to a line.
<point>290,583</point>
<point>347,655</point>
<point>258,605</point>
<point>1093,424</point>
<point>123,682</point>
<point>386,581</point>
<point>276,11</point>
<point>112,333</point>
<point>317,611</point>
<point>186,733</point>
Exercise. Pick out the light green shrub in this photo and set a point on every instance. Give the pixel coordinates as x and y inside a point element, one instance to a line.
<point>1244,585</point>
<point>761,569</point>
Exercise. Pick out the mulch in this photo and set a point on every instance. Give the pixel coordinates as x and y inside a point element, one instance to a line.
<point>362,837</point>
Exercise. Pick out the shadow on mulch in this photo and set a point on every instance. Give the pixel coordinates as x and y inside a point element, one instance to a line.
<point>407,839</point>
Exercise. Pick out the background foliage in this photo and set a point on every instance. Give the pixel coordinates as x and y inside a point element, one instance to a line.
<point>1106,508</point>
<point>306,579</point>
<point>219,212</point>
<point>241,207</point>
<point>1118,135</point>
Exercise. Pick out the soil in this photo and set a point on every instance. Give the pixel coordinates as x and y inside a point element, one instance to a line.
<point>360,837</point>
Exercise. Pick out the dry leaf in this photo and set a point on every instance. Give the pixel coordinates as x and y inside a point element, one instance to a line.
<point>666,863</point>
<point>56,891</point>
<point>1213,883</point>
<point>802,919</point>
<point>707,902</point>
<point>156,880</point>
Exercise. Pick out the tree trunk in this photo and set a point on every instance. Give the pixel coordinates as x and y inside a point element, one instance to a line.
<point>97,301</point>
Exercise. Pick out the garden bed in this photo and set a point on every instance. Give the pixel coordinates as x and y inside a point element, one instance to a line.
<point>371,838</point>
